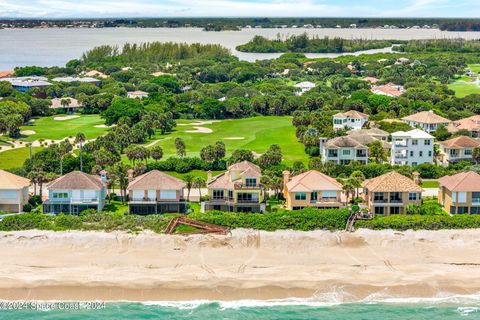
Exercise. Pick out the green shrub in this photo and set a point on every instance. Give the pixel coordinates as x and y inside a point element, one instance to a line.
<point>418,222</point>
<point>25,221</point>
<point>27,207</point>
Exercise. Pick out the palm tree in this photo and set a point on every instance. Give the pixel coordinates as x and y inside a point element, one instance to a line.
<point>199,182</point>
<point>357,177</point>
<point>119,172</point>
<point>348,187</point>
<point>64,147</point>
<point>80,139</point>
<point>188,178</point>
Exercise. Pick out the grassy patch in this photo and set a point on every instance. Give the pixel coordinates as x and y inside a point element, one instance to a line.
<point>16,157</point>
<point>49,129</point>
<point>464,89</point>
<point>116,207</point>
<point>255,134</point>
<point>430,184</point>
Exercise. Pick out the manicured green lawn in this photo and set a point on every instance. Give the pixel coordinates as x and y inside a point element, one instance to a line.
<point>49,129</point>
<point>255,134</point>
<point>474,67</point>
<point>464,89</point>
<point>430,184</point>
<point>15,158</point>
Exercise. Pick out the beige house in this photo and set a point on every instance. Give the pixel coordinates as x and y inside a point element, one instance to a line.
<point>68,104</point>
<point>238,189</point>
<point>470,124</point>
<point>426,120</point>
<point>391,193</point>
<point>156,192</point>
<point>13,192</point>
<point>311,189</point>
<point>457,149</point>
<point>460,193</point>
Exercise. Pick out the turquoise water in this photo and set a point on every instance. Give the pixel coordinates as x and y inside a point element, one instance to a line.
<point>260,311</point>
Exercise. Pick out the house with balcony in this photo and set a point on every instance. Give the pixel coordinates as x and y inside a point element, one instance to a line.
<point>411,148</point>
<point>343,150</point>
<point>13,192</point>
<point>428,121</point>
<point>236,190</point>
<point>391,193</point>
<point>460,193</point>
<point>312,189</point>
<point>156,192</point>
<point>352,119</point>
<point>457,149</point>
<point>75,192</point>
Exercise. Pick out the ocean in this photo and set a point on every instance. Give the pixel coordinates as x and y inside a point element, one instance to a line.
<point>418,309</point>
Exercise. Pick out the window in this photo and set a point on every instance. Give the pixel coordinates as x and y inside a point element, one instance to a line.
<point>412,196</point>
<point>297,208</point>
<point>395,210</point>
<point>476,197</point>
<point>429,153</point>
<point>379,210</point>
<point>300,196</point>
<point>337,121</point>
<point>420,153</point>
<point>411,153</point>
<point>452,210</point>
<point>414,164</point>
<point>217,194</point>
<point>172,194</point>
<point>247,197</point>
<point>230,194</point>
<point>428,142</point>
<point>468,152</point>
<point>60,195</point>
<point>346,152</point>
<point>329,194</point>
<point>414,142</point>
<point>313,196</point>
<point>462,210</point>
<point>378,197</point>
<point>251,182</point>
<point>332,153</point>
<point>459,197</point>
<point>475,210</point>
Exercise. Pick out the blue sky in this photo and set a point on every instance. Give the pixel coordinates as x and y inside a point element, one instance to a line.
<point>271,8</point>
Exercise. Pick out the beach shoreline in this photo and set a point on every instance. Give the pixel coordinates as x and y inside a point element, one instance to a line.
<point>244,265</point>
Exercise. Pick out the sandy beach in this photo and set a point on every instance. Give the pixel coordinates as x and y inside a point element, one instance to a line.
<point>246,264</point>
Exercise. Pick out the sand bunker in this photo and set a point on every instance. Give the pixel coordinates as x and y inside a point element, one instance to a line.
<point>200,130</point>
<point>65,118</point>
<point>27,132</point>
<point>101,126</point>
<point>234,138</point>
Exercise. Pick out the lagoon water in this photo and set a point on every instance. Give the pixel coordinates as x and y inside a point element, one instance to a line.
<point>261,311</point>
<point>54,47</point>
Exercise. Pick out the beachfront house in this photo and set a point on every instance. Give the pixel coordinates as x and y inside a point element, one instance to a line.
<point>304,86</point>
<point>66,104</point>
<point>428,121</point>
<point>75,192</point>
<point>156,192</point>
<point>352,119</point>
<point>311,189</point>
<point>391,193</point>
<point>411,148</point>
<point>13,192</point>
<point>460,193</point>
<point>457,149</point>
<point>238,189</point>
<point>137,94</point>
<point>470,125</point>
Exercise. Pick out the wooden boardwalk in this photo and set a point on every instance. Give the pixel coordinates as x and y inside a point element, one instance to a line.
<point>203,226</point>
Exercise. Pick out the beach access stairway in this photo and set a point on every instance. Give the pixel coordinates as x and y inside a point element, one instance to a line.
<point>350,226</point>
<point>203,226</point>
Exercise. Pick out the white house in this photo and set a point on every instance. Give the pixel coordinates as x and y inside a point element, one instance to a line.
<point>411,148</point>
<point>13,192</point>
<point>352,119</point>
<point>75,192</point>
<point>304,86</point>
<point>426,120</point>
<point>137,94</point>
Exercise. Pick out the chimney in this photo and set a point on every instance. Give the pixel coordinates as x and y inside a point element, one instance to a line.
<point>416,177</point>
<point>103,176</point>
<point>130,175</point>
<point>321,144</point>
<point>286,178</point>
<point>209,176</point>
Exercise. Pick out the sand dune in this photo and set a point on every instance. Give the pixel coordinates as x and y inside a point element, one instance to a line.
<point>244,264</point>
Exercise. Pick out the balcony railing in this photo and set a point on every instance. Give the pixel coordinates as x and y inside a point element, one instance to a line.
<point>245,186</point>
<point>400,156</point>
<point>247,201</point>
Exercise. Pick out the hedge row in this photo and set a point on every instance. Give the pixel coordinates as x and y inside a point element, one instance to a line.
<point>421,222</point>
<point>304,220</point>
